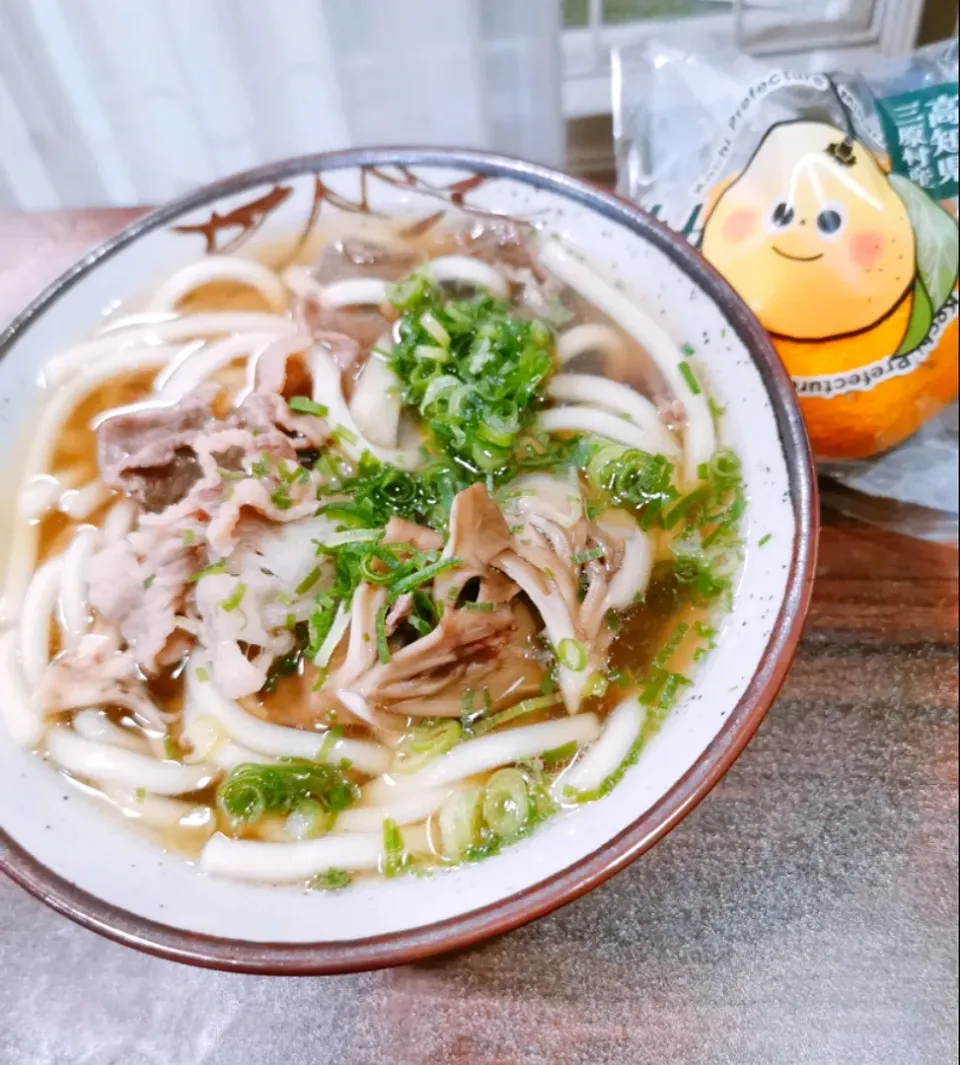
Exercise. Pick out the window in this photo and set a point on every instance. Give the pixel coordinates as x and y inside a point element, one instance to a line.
<point>811,29</point>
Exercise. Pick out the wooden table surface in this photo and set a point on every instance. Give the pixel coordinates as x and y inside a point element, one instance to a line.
<point>805,914</point>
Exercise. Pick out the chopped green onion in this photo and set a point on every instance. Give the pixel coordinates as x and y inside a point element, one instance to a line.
<point>572,654</point>
<point>254,790</point>
<point>202,675</point>
<point>430,322</point>
<point>596,685</point>
<point>460,822</point>
<point>331,880</point>
<point>343,435</point>
<point>394,857</point>
<point>688,349</point>
<point>188,537</point>
<point>506,803</point>
<point>280,497</point>
<point>483,607</point>
<point>764,539</point>
<point>581,558</point>
<point>431,352</point>
<point>307,820</point>
<point>559,754</point>
<point>686,372</point>
<point>424,742</point>
<point>414,580</point>
<point>528,706</point>
<point>330,740</point>
<point>148,581</point>
<point>726,469</point>
<point>235,598</point>
<point>303,405</point>
<point>380,624</point>
<point>309,581</point>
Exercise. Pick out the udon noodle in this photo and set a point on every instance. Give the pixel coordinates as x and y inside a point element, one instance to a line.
<point>369,564</point>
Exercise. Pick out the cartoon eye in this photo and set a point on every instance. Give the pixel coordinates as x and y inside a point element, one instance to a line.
<point>830,222</point>
<point>783,216</point>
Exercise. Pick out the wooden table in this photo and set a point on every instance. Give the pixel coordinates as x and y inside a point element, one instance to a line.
<point>805,914</point>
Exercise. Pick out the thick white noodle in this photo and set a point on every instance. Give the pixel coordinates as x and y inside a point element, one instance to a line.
<point>74,607</point>
<point>41,494</point>
<point>699,433</point>
<point>278,741</point>
<point>461,269</point>
<point>602,423</point>
<point>552,608</point>
<point>483,754</point>
<point>301,283</point>
<point>80,503</point>
<point>354,292</point>
<point>328,391</point>
<point>196,364</point>
<point>159,811</point>
<point>52,417</point>
<point>105,764</point>
<point>229,755</point>
<point>277,347</point>
<point>211,268</point>
<point>376,403</point>
<point>174,331</point>
<point>16,709</point>
<point>617,399</point>
<point>405,810</point>
<point>137,321</point>
<point>245,859</point>
<point>604,757</point>
<point>589,336</point>
<point>119,520</point>
<point>39,605</point>
<point>94,725</point>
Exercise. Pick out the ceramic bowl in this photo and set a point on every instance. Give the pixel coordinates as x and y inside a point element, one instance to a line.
<point>67,852</point>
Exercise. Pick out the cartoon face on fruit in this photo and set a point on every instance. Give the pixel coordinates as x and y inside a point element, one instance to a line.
<point>846,266</point>
<point>812,235</point>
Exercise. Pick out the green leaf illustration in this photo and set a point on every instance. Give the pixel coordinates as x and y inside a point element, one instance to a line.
<point>938,240</point>
<point>921,318</point>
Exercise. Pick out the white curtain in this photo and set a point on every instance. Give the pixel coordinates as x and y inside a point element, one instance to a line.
<point>134,101</point>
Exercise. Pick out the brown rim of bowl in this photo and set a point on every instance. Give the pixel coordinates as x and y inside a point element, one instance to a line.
<point>508,913</point>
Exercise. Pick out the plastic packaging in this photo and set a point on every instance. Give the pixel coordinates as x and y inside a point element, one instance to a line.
<point>829,201</point>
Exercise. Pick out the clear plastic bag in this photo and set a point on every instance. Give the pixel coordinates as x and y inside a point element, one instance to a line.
<point>829,201</point>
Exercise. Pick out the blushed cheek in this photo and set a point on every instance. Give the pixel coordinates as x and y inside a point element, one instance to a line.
<point>867,248</point>
<point>740,224</point>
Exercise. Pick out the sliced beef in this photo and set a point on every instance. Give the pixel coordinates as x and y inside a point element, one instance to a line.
<point>149,453</point>
<point>139,585</point>
<point>355,257</point>
<point>267,414</point>
<point>95,673</point>
<point>498,241</point>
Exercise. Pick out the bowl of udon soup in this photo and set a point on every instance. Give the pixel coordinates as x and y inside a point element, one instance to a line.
<point>402,542</point>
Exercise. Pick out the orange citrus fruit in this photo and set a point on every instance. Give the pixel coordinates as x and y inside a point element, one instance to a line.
<point>821,244</point>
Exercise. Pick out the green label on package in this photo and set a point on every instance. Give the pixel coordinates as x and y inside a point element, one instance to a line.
<point>921,130</point>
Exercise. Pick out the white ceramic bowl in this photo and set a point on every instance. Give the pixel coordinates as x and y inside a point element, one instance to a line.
<point>64,850</point>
